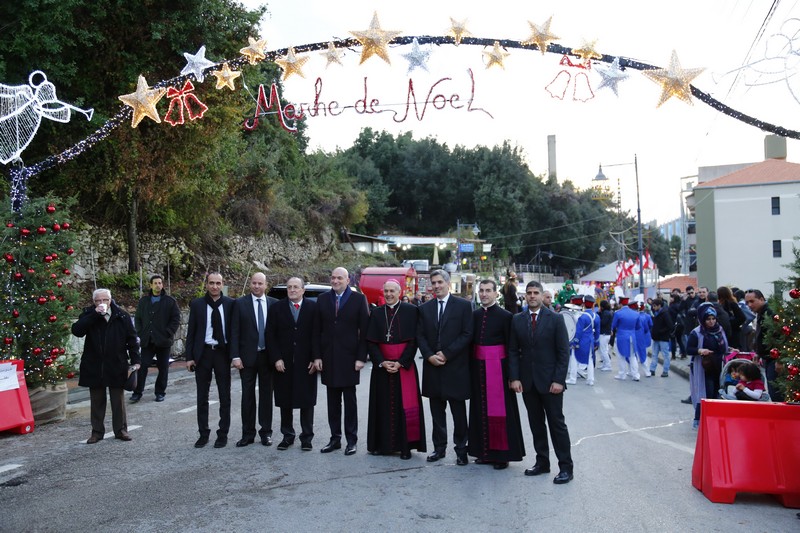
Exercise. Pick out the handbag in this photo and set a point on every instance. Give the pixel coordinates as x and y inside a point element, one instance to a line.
<point>132,381</point>
<point>708,363</point>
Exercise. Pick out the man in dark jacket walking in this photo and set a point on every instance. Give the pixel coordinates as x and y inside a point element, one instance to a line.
<point>157,320</point>
<point>660,333</point>
<point>109,349</point>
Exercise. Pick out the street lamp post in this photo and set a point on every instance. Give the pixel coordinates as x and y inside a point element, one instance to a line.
<point>475,231</point>
<point>602,177</point>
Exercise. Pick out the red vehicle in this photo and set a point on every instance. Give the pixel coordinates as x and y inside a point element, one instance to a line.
<point>373,278</point>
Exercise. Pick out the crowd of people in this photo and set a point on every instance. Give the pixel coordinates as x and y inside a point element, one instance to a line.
<point>280,347</point>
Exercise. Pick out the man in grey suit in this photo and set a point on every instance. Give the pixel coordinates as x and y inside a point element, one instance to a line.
<point>538,357</point>
<point>444,334</point>
<point>248,352</point>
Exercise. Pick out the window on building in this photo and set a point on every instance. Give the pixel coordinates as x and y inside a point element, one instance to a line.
<point>776,205</point>
<point>776,249</point>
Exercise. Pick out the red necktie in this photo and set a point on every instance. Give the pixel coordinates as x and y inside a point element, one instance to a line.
<point>297,306</point>
<point>533,322</point>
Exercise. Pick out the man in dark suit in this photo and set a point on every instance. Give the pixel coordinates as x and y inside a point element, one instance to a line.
<point>444,334</point>
<point>342,316</point>
<point>207,338</point>
<point>291,343</point>
<point>538,357</point>
<point>248,353</point>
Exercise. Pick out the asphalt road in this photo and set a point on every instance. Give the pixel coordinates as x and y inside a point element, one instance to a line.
<point>632,444</point>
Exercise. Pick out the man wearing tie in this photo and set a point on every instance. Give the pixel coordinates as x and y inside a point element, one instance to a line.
<point>342,316</point>
<point>207,352</point>
<point>538,357</point>
<point>249,354</point>
<point>291,343</point>
<point>444,334</point>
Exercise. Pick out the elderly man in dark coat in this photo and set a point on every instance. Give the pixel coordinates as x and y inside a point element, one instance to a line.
<point>444,335</point>
<point>111,346</point>
<point>292,346</point>
<point>343,315</point>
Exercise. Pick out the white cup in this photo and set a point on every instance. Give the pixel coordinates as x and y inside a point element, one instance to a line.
<point>102,308</point>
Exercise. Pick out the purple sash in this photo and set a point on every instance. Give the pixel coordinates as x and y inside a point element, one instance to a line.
<point>408,390</point>
<point>495,394</point>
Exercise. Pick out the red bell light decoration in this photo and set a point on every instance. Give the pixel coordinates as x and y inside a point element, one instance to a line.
<point>51,208</point>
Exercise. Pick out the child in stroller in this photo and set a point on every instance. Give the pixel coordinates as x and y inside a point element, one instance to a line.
<point>751,383</point>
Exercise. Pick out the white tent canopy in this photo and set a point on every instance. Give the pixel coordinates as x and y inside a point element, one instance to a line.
<point>606,274</point>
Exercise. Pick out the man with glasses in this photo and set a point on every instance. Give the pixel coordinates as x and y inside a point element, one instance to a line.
<point>755,300</point>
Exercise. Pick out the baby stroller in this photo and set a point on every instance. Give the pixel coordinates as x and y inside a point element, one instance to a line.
<point>734,358</point>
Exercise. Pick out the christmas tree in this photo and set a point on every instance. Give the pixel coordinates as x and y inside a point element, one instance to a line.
<point>783,330</point>
<point>38,301</point>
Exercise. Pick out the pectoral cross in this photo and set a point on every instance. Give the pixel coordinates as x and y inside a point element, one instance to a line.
<point>388,336</point>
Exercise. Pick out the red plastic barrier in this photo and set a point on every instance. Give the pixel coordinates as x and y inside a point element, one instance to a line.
<point>748,447</point>
<point>15,406</point>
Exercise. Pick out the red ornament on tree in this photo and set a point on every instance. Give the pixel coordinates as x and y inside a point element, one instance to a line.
<point>25,232</point>
<point>70,375</point>
<point>62,351</point>
<point>793,370</point>
<point>18,276</point>
<point>776,318</point>
<point>51,208</point>
<point>54,352</point>
<point>59,284</point>
<point>37,351</point>
<point>9,224</point>
<point>52,318</point>
<point>48,362</point>
<point>797,396</point>
<point>56,228</point>
<point>70,251</point>
<point>53,276</point>
<point>65,225</point>
<point>48,259</point>
<point>41,300</point>
<point>66,272</point>
<point>9,258</point>
<point>31,271</point>
<point>15,313</point>
<point>52,296</point>
<point>42,230</point>
<point>774,353</point>
<point>786,330</point>
<point>54,256</point>
<point>8,340</point>
<point>794,293</point>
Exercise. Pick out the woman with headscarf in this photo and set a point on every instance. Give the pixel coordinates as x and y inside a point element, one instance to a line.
<point>707,345</point>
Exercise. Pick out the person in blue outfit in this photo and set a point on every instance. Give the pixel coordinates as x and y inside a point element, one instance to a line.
<point>643,336</point>
<point>587,338</point>
<point>623,328</point>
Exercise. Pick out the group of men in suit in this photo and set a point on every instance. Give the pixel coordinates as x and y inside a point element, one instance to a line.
<point>526,354</point>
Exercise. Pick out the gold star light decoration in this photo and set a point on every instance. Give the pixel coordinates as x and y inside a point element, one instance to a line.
<point>458,30</point>
<point>587,51</point>
<point>674,81</point>
<point>292,64</point>
<point>143,102</point>
<point>496,56</point>
<point>374,40</point>
<point>540,35</point>
<point>255,50</point>
<point>226,77</point>
<point>332,55</point>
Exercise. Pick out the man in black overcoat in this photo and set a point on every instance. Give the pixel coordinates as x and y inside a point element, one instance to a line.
<point>444,335</point>
<point>291,343</point>
<point>207,338</point>
<point>342,315</point>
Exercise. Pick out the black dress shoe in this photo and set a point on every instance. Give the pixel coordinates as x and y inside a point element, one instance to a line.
<point>160,397</point>
<point>266,441</point>
<point>537,470</point>
<point>284,444</point>
<point>462,459</point>
<point>306,447</point>
<point>135,397</point>
<point>480,461</point>
<point>332,445</point>
<point>562,477</point>
<point>202,441</point>
<point>350,449</point>
<point>687,400</point>
<point>405,456</point>
<point>244,442</point>
<point>436,455</point>
<point>500,466</point>
<point>221,442</point>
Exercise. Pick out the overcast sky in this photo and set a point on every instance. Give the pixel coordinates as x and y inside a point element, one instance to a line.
<point>671,141</point>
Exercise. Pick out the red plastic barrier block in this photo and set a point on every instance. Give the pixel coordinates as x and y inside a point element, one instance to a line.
<point>15,405</point>
<point>748,447</point>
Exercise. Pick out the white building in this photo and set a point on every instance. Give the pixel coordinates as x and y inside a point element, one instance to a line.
<point>747,224</point>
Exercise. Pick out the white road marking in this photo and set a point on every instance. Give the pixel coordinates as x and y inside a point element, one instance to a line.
<point>194,407</point>
<point>620,422</point>
<point>8,468</point>
<point>608,404</point>
<point>598,390</point>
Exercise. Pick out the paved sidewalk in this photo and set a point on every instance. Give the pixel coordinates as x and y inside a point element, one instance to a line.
<point>177,372</point>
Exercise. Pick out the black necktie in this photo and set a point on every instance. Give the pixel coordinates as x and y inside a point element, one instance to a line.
<point>260,325</point>
<point>441,311</point>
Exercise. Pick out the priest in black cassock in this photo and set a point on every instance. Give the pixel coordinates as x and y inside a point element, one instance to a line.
<point>495,433</point>
<point>396,422</point>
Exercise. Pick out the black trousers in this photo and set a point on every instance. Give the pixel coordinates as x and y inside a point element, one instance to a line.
<point>335,395</point>
<point>97,410</point>
<point>306,424</point>
<point>262,374</point>
<point>162,359</point>
<point>550,407</point>
<point>214,362</point>
<point>458,408</point>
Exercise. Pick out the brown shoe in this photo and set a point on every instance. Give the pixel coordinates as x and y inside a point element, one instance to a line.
<point>94,439</point>
<point>123,435</point>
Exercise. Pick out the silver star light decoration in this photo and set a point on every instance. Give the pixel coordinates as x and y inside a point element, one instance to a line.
<point>417,57</point>
<point>196,64</point>
<point>611,75</point>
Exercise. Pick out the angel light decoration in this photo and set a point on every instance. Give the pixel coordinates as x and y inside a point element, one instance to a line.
<point>21,110</point>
